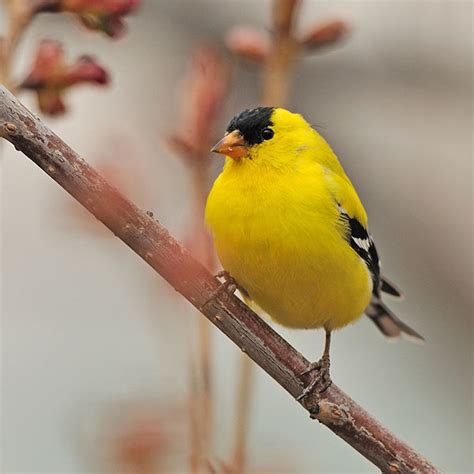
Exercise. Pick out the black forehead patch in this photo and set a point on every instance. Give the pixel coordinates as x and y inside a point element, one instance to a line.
<point>251,123</point>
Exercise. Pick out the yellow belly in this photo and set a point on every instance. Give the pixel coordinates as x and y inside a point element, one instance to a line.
<point>280,240</point>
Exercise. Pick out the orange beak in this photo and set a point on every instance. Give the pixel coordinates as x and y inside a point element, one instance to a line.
<point>233,144</point>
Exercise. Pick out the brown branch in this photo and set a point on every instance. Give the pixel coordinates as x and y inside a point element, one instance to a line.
<point>161,251</point>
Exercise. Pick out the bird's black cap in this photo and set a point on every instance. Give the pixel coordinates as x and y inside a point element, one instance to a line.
<point>251,123</point>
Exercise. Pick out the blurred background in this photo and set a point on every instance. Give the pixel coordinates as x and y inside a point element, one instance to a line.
<point>98,352</point>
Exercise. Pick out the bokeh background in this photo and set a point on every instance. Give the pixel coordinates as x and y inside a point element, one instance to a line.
<point>91,336</point>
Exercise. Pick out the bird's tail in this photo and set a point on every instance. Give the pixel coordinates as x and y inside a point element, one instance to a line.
<point>390,325</point>
<point>387,286</point>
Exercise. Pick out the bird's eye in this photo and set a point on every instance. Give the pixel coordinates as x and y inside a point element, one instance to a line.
<point>267,133</point>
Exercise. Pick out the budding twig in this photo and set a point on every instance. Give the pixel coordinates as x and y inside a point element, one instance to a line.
<point>18,15</point>
<point>279,55</point>
<point>204,92</point>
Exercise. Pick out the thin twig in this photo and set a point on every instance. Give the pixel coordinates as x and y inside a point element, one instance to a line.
<point>245,389</point>
<point>18,17</point>
<point>282,54</point>
<point>277,69</point>
<point>204,91</point>
<point>200,173</point>
<point>149,239</point>
<point>194,458</point>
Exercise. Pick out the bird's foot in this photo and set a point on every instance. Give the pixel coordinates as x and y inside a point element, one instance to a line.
<point>228,286</point>
<point>320,382</point>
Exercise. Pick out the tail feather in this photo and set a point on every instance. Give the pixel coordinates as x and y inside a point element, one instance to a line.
<point>389,287</point>
<point>389,324</point>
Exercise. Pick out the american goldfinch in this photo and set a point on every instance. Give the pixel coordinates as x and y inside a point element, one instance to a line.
<point>290,229</point>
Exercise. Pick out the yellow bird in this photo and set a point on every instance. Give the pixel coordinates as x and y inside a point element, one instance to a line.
<point>290,229</point>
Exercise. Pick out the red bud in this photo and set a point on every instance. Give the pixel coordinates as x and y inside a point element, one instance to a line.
<point>204,90</point>
<point>50,76</point>
<point>325,34</point>
<point>102,15</point>
<point>86,69</point>
<point>247,43</point>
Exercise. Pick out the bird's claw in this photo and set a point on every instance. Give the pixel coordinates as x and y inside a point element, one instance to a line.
<point>228,286</point>
<point>320,382</point>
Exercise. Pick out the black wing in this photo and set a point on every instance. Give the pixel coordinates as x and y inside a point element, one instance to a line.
<point>361,241</point>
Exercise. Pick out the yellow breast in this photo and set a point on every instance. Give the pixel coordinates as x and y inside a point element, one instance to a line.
<point>279,236</point>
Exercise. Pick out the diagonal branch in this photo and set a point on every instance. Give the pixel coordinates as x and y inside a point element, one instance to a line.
<point>160,250</point>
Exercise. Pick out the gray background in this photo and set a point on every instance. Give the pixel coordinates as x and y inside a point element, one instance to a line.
<point>87,327</point>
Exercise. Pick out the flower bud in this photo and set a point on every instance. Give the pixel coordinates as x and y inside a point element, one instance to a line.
<point>325,34</point>
<point>247,43</point>
<point>203,93</point>
<point>50,76</point>
<point>101,15</point>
